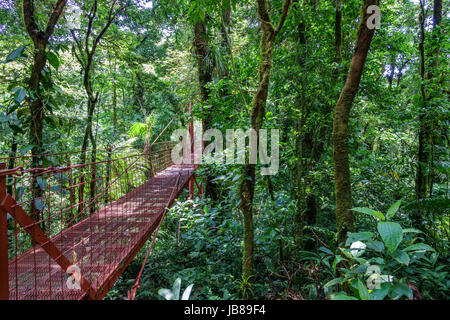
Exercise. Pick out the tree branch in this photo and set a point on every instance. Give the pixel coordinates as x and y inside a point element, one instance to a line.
<point>284,13</point>
<point>91,15</point>
<point>77,42</point>
<point>56,13</point>
<point>30,22</point>
<point>111,17</point>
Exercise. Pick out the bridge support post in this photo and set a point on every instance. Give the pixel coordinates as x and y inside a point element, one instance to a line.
<point>4,277</point>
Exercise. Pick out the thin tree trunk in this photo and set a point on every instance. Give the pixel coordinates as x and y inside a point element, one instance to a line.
<point>426,120</point>
<point>432,73</point>
<point>338,33</point>
<point>300,186</point>
<point>247,184</point>
<point>225,91</point>
<point>344,216</point>
<point>424,127</point>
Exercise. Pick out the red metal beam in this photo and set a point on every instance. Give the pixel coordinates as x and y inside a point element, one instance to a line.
<point>4,279</point>
<point>10,205</point>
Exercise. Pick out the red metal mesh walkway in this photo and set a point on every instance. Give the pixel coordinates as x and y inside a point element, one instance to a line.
<point>97,216</point>
<point>121,227</point>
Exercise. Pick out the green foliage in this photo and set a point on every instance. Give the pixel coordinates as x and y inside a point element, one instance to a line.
<point>145,71</point>
<point>14,55</point>
<point>391,233</point>
<point>385,269</point>
<point>53,59</point>
<point>141,129</point>
<point>174,294</point>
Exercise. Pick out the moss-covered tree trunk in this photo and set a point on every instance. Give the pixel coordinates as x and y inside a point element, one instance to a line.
<point>88,134</point>
<point>40,40</point>
<point>205,70</point>
<point>344,216</point>
<point>36,102</point>
<point>247,184</point>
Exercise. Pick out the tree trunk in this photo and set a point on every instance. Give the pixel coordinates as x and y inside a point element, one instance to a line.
<point>247,184</point>
<point>40,40</point>
<point>115,106</point>
<point>427,122</point>
<point>300,186</point>
<point>88,135</point>
<point>424,128</point>
<point>344,216</point>
<point>225,91</point>
<point>432,73</point>
<point>338,33</point>
<point>205,69</point>
<point>202,52</point>
<point>37,106</point>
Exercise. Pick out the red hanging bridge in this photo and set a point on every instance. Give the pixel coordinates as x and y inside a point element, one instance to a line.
<point>64,224</point>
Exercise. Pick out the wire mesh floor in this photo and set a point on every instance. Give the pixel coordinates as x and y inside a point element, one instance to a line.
<point>122,227</point>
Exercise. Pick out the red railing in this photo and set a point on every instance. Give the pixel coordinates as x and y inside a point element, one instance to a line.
<point>91,216</point>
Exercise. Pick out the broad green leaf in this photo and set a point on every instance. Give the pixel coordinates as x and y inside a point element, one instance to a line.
<point>393,209</point>
<point>419,247</point>
<point>391,233</point>
<point>363,292</point>
<point>370,212</point>
<point>20,95</point>
<point>346,253</point>
<point>358,236</point>
<point>378,260</point>
<point>176,289</point>
<point>14,55</point>
<point>326,250</point>
<point>52,59</point>
<point>376,245</point>
<point>166,293</point>
<point>337,259</point>
<point>187,292</point>
<point>334,282</point>
<point>381,293</point>
<point>342,296</point>
<point>401,256</point>
<point>401,289</point>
